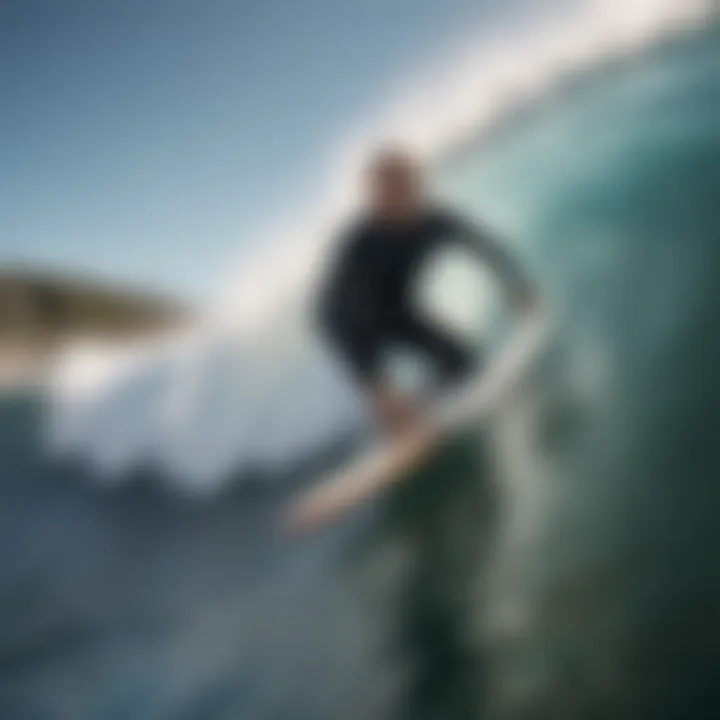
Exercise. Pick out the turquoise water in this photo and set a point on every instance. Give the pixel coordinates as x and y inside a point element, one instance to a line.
<point>610,558</point>
<point>560,564</point>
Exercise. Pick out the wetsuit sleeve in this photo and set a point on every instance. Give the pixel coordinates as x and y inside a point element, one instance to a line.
<point>344,317</point>
<point>493,252</point>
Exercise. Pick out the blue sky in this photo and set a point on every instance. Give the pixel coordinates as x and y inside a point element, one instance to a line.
<point>145,140</point>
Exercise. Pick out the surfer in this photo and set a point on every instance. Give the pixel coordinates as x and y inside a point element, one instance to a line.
<point>366,305</point>
<point>445,518</point>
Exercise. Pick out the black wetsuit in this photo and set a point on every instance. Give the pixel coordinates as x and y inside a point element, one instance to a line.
<point>366,305</point>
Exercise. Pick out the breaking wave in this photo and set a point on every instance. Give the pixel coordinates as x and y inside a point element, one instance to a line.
<point>249,385</point>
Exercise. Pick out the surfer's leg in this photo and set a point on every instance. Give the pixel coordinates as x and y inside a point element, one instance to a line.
<point>447,516</point>
<point>453,359</point>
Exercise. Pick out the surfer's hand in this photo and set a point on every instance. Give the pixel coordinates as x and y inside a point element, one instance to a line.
<point>392,411</point>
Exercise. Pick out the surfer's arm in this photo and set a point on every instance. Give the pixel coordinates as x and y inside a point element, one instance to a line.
<point>520,290</point>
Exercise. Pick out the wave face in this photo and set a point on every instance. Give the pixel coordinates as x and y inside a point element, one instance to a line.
<point>600,598</point>
<point>604,590</point>
<point>250,386</point>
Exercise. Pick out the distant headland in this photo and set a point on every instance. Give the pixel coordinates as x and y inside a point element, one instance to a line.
<point>42,312</point>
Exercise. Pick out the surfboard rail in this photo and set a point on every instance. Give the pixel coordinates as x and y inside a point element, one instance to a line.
<point>387,465</point>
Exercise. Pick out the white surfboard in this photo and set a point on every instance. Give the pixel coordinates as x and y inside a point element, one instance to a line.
<point>384,466</point>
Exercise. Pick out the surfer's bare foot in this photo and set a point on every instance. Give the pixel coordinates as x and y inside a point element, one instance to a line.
<point>393,412</point>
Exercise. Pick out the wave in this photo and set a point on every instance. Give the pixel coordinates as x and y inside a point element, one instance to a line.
<point>249,384</point>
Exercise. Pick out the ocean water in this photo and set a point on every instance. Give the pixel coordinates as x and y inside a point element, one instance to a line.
<point>559,563</point>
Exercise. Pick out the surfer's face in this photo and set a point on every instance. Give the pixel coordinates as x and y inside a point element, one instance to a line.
<point>395,188</point>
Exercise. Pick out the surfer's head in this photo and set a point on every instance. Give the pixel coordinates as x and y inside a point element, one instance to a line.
<point>395,180</point>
